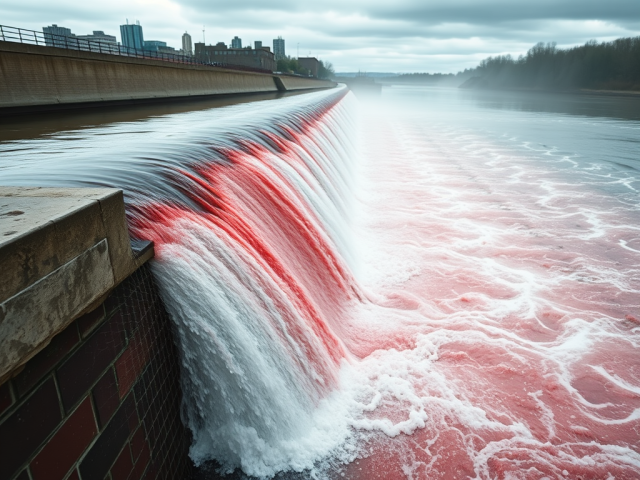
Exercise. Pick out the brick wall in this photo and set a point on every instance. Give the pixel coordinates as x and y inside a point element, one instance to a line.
<point>102,400</point>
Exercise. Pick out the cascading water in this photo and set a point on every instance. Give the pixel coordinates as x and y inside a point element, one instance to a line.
<point>399,297</point>
<point>260,347</point>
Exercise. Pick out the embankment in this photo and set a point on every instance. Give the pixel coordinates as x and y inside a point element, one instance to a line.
<point>485,83</point>
<point>34,77</point>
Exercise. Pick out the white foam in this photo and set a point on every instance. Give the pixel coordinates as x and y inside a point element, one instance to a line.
<point>488,275</point>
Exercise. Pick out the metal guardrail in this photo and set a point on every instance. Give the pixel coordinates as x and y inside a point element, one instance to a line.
<point>32,37</point>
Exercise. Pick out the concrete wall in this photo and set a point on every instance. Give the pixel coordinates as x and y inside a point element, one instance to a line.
<point>61,250</point>
<point>89,375</point>
<point>301,83</point>
<point>37,76</point>
<point>102,400</point>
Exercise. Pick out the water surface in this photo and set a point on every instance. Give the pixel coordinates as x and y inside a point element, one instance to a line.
<point>438,283</point>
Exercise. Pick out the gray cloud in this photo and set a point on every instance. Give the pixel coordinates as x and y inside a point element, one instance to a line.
<point>496,11</point>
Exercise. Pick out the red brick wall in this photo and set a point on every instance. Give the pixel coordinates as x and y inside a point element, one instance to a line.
<point>102,400</point>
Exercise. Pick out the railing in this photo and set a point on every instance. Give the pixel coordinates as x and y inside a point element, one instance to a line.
<point>32,37</point>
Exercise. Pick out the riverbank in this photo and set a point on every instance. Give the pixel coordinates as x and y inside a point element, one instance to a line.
<point>478,83</point>
<point>613,93</point>
<point>37,78</point>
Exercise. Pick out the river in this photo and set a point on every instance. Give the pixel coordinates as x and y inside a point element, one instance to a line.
<point>436,283</point>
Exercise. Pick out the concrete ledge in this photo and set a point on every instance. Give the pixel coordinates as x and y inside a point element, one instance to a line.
<point>61,252</point>
<point>290,83</point>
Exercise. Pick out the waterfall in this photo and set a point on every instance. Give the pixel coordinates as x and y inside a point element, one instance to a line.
<point>256,279</point>
<point>409,289</point>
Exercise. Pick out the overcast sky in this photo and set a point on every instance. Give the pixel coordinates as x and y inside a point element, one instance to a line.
<point>367,35</point>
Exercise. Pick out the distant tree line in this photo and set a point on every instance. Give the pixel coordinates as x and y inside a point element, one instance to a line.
<point>325,70</point>
<point>421,78</point>
<point>604,66</point>
<point>291,65</point>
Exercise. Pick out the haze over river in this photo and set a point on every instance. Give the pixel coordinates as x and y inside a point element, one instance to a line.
<point>435,284</point>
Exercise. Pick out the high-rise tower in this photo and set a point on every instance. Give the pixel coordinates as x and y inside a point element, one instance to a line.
<point>278,48</point>
<point>132,36</point>
<point>187,46</point>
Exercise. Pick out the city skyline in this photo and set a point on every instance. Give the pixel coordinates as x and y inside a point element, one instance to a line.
<point>132,36</point>
<point>354,35</point>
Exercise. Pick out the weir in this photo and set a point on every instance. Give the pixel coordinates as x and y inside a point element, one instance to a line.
<point>92,366</point>
<point>422,286</point>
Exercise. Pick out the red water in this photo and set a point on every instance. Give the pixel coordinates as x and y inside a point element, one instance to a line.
<point>253,204</point>
<point>512,299</point>
<point>490,327</point>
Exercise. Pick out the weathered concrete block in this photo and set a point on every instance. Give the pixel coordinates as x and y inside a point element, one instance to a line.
<point>43,309</point>
<point>61,251</point>
<point>290,83</point>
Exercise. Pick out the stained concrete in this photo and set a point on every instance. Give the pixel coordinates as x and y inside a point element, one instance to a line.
<point>291,83</point>
<point>41,310</point>
<point>61,251</point>
<point>32,75</point>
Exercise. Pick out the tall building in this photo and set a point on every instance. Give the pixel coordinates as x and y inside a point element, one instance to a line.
<point>278,48</point>
<point>55,36</point>
<point>258,44</point>
<point>236,42</point>
<point>132,36</point>
<point>187,46</point>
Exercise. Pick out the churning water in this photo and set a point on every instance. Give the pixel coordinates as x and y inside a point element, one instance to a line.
<point>438,284</point>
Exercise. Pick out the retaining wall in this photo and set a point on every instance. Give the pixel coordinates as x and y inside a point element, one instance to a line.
<point>103,397</point>
<point>89,381</point>
<point>300,83</point>
<point>33,75</point>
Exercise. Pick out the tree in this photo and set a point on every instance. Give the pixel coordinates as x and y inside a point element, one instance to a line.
<point>326,70</point>
<point>290,65</point>
<point>608,65</point>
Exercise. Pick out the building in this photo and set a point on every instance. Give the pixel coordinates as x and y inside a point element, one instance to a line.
<point>260,58</point>
<point>257,44</point>
<point>132,36</point>
<point>97,42</point>
<point>187,46</point>
<point>167,50</point>
<point>99,36</point>
<point>154,45</point>
<point>55,36</point>
<point>159,46</point>
<point>310,63</point>
<point>236,42</point>
<point>278,48</point>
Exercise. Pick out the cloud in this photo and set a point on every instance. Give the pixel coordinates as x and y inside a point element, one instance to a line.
<point>374,35</point>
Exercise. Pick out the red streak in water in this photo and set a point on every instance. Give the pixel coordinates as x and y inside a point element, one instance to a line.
<point>265,216</point>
